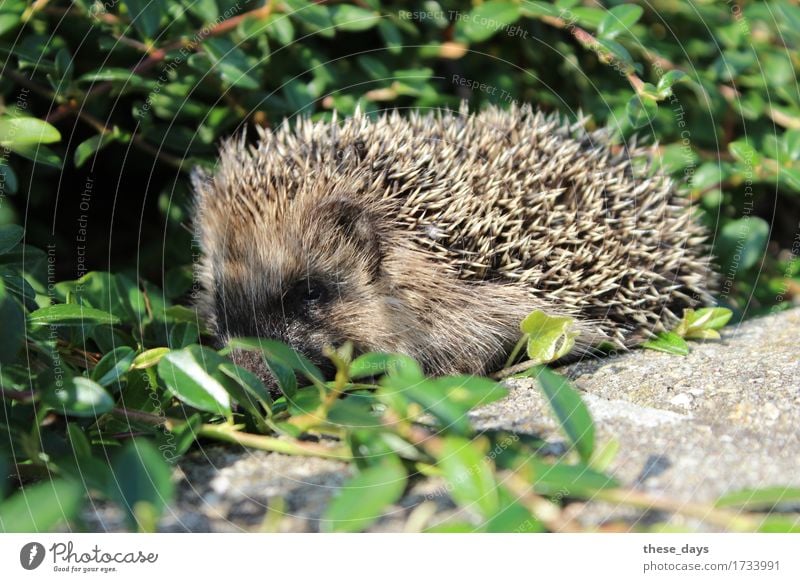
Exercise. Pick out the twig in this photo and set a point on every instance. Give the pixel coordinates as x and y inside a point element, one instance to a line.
<point>515,369</point>
<point>547,512</point>
<point>727,519</point>
<point>266,443</point>
<point>95,123</point>
<point>19,396</point>
<point>157,55</point>
<point>229,434</point>
<point>590,41</point>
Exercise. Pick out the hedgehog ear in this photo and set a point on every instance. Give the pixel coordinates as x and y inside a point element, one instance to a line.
<point>358,225</point>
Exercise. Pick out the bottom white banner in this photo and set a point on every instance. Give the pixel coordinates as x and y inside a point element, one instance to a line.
<point>354,557</point>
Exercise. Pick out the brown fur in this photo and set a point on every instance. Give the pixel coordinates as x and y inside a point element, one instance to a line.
<point>434,235</point>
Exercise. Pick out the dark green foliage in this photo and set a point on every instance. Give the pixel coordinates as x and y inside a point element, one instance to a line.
<point>106,109</point>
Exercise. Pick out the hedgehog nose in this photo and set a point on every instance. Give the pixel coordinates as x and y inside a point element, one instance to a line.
<point>255,326</point>
<point>255,362</point>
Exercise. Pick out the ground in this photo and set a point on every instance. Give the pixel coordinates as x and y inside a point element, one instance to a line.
<point>723,418</point>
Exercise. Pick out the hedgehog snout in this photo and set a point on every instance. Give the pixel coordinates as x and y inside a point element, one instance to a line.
<point>292,331</point>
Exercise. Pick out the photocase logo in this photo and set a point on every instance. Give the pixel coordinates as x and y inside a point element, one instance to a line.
<point>31,555</point>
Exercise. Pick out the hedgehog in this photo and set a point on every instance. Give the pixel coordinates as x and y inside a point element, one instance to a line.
<point>434,234</point>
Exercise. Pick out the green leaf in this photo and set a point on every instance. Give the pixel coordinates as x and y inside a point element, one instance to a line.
<point>149,358</point>
<point>535,9</point>
<point>353,18</point>
<point>280,353</point>
<point>790,177</point>
<point>79,396</point>
<point>744,152</point>
<point>469,476</point>
<point>549,338</point>
<point>469,391</point>
<point>285,378</point>
<point>113,366</point>
<point>372,364</point>
<point>281,29</point>
<point>451,527</point>
<point>188,374</point>
<point>433,398</point>
<point>8,180</point>
<point>12,320</point>
<point>512,517</point>
<point>305,401</point>
<point>116,294</point>
<point>353,413</point>
<point>703,323</point>
<point>112,74</point>
<point>605,455</point>
<point>18,286</point>
<point>707,175</point>
<point>571,412</point>
<point>181,313</point>
<point>641,110</point>
<point>362,500</point>
<point>374,67</point>
<point>231,63</point>
<point>760,499</point>
<point>246,388</point>
<point>741,243</point>
<point>37,153</point>
<point>80,444</point>
<point>565,480</point>
<point>64,66</point>
<point>619,19</point>
<point>668,79</point>
<point>185,435</point>
<point>41,507</point>
<point>142,485</point>
<point>10,236</point>
<point>183,334</point>
<point>145,15</point>
<point>92,145</point>
<point>314,16</point>
<point>70,315</point>
<point>791,143</point>
<point>669,342</point>
<point>779,524</point>
<point>5,472</point>
<point>588,17</point>
<point>391,36</point>
<point>18,133</point>
<point>612,50</point>
<point>486,20</point>
<point>565,4</point>
<point>11,12</point>
<point>298,95</point>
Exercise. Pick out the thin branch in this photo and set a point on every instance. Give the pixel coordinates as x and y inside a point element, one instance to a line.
<point>229,434</point>
<point>515,369</point>
<point>95,123</point>
<point>157,55</point>
<point>19,396</point>
<point>547,512</point>
<point>706,513</point>
<point>590,41</point>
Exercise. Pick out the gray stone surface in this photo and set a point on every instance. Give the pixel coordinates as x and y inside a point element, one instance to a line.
<point>723,418</point>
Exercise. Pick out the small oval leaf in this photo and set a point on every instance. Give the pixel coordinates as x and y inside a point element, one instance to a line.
<point>361,501</point>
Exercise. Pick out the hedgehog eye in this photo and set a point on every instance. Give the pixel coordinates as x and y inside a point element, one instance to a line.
<point>315,292</point>
<point>309,291</point>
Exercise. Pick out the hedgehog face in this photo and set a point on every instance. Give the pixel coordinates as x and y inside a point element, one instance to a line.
<point>313,285</point>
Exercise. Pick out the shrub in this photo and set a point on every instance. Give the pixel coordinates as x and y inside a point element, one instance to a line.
<point>107,106</point>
